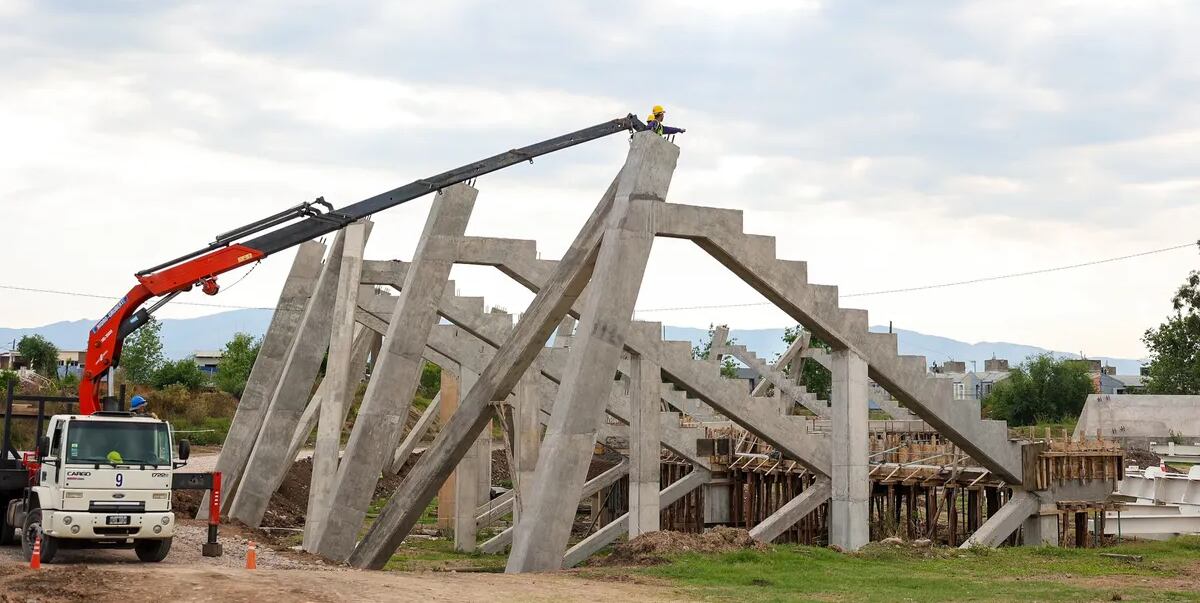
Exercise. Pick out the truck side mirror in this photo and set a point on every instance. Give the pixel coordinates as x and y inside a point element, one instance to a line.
<point>44,446</point>
<point>185,450</point>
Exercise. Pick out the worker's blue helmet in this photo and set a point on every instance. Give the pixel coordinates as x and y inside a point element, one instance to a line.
<point>136,402</point>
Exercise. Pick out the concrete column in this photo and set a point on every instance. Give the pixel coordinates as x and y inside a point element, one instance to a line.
<point>268,462</point>
<point>447,494</point>
<point>414,437</point>
<point>512,359</point>
<point>644,449</point>
<point>339,372</point>
<point>565,332</point>
<point>466,494</point>
<point>1039,529</point>
<point>364,338</point>
<point>384,409</point>
<point>264,376</point>
<point>528,422</point>
<point>849,510</point>
<point>540,540</point>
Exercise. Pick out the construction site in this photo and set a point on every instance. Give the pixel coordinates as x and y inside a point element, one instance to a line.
<point>570,428</point>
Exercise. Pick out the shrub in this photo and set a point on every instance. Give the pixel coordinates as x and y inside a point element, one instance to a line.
<point>183,372</point>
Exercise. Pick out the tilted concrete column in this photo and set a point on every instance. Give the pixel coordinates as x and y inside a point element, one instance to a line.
<point>849,509</point>
<point>339,372</point>
<point>264,376</point>
<point>645,382</point>
<point>384,408</point>
<point>528,338</point>
<point>364,340</point>
<point>268,462</point>
<point>466,494</point>
<point>541,538</point>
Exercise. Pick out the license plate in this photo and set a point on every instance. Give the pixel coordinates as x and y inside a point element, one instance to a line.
<point>117,520</point>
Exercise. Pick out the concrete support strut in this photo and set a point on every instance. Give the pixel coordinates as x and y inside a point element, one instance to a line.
<point>264,376</point>
<point>793,511</point>
<point>849,510</point>
<point>340,373</point>
<point>613,530</point>
<point>540,540</point>
<point>268,463</point>
<point>1022,506</point>
<point>384,408</point>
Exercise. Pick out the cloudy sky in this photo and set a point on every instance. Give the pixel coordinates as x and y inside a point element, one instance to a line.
<point>888,145</point>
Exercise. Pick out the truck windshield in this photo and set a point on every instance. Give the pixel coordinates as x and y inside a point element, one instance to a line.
<point>134,443</point>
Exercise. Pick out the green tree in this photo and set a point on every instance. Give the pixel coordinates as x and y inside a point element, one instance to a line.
<point>142,354</point>
<point>184,372</point>
<point>6,377</point>
<point>704,350</point>
<point>1175,344</point>
<point>236,362</point>
<point>815,378</point>
<point>1043,388</point>
<point>41,355</point>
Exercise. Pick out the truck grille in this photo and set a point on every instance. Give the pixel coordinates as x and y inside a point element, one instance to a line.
<point>117,507</point>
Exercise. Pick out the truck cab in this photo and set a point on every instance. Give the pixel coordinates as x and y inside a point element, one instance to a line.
<point>103,481</point>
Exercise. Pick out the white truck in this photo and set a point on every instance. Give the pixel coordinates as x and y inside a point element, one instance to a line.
<point>104,481</point>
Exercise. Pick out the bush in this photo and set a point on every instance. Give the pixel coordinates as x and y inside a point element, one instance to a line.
<point>236,362</point>
<point>7,377</point>
<point>183,372</point>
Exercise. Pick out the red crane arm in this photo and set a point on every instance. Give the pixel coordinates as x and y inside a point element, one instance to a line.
<point>105,339</point>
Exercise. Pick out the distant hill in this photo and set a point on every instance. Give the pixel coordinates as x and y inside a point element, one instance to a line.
<point>767,343</point>
<point>182,337</point>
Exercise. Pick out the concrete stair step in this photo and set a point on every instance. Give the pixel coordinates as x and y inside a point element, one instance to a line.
<point>797,270</point>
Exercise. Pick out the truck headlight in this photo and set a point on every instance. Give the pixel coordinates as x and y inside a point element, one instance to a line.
<point>74,529</point>
<point>66,520</point>
<point>158,529</point>
<point>166,519</point>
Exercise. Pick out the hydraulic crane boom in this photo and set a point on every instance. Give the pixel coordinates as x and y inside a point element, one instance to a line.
<point>230,250</point>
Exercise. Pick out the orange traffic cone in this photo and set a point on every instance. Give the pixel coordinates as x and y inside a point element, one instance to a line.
<point>251,556</point>
<point>35,561</point>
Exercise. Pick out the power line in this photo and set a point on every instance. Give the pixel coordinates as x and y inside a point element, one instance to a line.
<point>950,284</point>
<point>111,298</point>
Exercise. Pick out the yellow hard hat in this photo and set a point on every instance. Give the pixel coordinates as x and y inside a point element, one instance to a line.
<point>114,457</point>
<point>658,109</point>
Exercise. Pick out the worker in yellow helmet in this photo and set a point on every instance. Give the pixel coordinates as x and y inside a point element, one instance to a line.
<point>655,122</point>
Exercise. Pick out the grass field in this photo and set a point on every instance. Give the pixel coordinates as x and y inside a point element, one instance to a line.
<point>1169,571</point>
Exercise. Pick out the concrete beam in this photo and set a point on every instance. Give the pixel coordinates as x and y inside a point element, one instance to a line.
<point>268,463</point>
<point>614,529</point>
<point>539,541</point>
<point>793,511</point>
<point>384,409</point>
<point>644,449</point>
<point>1000,526</point>
<point>341,373</point>
<point>264,376</point>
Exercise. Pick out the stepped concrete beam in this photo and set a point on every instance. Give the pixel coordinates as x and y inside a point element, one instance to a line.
<point>614,529</point>
<point>776,377</point>
<point>718,232</point>
<point>264,376</point>
<point>644,448</point>
<point>891,407</point>
<point>499,377</point>
<point>611,476</point>
<point>1022,506</point>
<point>542,536</point>
<point>340,372</point>
<point>793,511</point>
<point>849,511</point>
<point>385,405</point>
<point>268,463</point>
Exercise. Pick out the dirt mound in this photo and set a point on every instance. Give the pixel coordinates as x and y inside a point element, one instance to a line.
<point>656,547</point>
<point>19,583</point>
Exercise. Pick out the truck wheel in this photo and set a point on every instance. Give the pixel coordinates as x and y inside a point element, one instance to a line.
<point>8,534</point>
<point>152,551</point>
<point>29,534</point>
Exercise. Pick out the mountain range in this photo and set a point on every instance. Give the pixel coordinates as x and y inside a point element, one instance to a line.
<point>184,336</point>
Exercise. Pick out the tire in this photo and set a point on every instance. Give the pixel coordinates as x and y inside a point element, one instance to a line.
<point>29,534</point>
<point>8,534</point>
<point>152,551</point>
